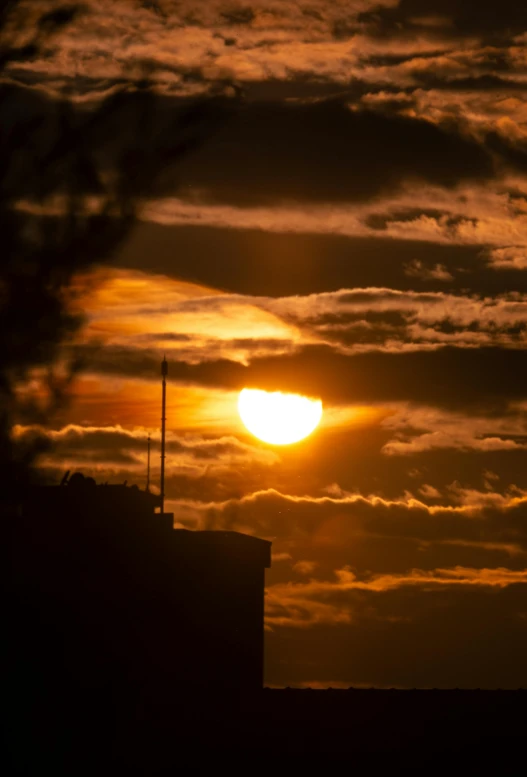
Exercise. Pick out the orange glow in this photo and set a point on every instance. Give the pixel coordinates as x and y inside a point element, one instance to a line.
<point>124,304</point>
<point>99,400</point>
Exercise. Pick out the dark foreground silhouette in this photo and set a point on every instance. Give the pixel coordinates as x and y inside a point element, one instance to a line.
<point>385,732</point>
<point>134,648</point>
<point>112,615</point>
<point>381,731</point>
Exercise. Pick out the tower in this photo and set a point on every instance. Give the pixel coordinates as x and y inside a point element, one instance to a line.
<point>164,373</point>
<point>148,466</point>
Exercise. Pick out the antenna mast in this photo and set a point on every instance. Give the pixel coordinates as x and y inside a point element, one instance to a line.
<point>164,373</point>
<point>148,466</point>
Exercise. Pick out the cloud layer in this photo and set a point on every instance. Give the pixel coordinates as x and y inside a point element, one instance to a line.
<point>355,230</point>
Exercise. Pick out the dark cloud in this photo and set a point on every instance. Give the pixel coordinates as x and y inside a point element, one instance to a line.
<point>512,154</point>
<point>164,336</point>
<point>266,263</point>
<point>303,87</point>
<point>478,83</point>
<point>474,379</point>
<point>384,319</point>
<point>450,17</point>
<point>354,457</point>
<point>449,377</point>
<point>380,221</point>
<point>199,467</point>
<point>273,152</point>
<point>135,128</point>
<point>240,15</point>
<point>441,639</point>
<point>370,532</point>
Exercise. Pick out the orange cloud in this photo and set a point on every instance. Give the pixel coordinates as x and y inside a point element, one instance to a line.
<point>305,567</point>
<point>304,605</point>
<point>418,429</point>
<point>476,215</point>
<point>102,400</point>
<point>138,311</point>
<point>133,309</point>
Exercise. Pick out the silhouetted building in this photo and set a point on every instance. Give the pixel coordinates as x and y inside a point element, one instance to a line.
<point>110,602</point>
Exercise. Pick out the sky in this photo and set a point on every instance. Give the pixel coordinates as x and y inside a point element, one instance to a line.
<point>356,232</point>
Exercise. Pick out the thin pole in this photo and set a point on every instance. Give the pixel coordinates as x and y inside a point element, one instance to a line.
<point>164,373</point>
<point>148,467</point>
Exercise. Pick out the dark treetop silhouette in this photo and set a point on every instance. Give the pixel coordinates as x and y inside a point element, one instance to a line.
<point>71,182</point>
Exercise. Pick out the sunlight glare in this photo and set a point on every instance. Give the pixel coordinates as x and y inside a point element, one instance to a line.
<point>277,418</point>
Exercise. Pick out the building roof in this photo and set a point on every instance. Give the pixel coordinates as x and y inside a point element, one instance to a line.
<point>233,543</point>
<point>130,511</point>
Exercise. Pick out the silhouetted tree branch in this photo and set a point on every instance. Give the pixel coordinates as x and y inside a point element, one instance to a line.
<point>71,181</point>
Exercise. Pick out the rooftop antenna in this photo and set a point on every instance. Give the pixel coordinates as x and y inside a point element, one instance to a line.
<point>148,467</point>
<point>164,373</point>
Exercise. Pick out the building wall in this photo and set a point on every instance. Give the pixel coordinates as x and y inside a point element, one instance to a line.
<point>114,604</point>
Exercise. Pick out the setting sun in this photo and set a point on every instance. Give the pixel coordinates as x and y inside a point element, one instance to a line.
<point>276,418</point>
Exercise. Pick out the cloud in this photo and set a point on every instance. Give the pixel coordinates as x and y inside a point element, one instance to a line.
<point>450,377</point>
<point>429,492</point>
<point>474,380</point>
<point>453,17</point>
<point>377,648</point>
<point>416,269</point>
<point>474,216</point>
<point>308,604</point>
<point>258,156</point>
<point>511,549</point>
<point>133,309</point>
<point>374,344</point>
<point>509,258</point>
<point>383,317</point>
<point>107,448</point>
<point>276,515</point>
<point>237,165</point>
<point>305,567</point>
<point>422,429</point>
<point>290,263</point>
<point>277,557</point>
<point>180,45</point>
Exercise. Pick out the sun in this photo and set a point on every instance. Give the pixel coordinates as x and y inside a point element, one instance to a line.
<point>277,418</point>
